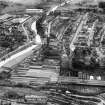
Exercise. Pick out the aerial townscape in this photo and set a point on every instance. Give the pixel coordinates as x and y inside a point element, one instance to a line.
<point>52,52</point>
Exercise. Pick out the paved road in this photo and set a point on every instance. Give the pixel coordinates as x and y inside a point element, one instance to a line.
<point>34,29</point>
<point>76,80</point>
<point>72,47</point>
<point>33,19</point>
<point>68,98</point>
<point>25,31</point>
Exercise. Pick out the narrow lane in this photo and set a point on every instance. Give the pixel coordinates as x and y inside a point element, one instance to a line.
<point>25,31</point>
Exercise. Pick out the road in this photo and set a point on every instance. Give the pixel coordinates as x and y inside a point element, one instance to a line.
<point>25,31</point>
<point>72,47</point>
<point>76,80</point>
<point>91,35</point>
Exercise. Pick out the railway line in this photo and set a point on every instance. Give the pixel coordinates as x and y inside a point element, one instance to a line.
<point>70,98</point>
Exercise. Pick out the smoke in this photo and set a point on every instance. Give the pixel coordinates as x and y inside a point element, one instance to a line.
<point>25,2</point>
<point>77,1</point>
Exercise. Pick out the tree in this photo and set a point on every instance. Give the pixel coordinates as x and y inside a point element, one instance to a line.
<point>84,59</point>
<point>39,26</point>
<point>102,5</point>
<point>11,95</point>
<point>11,39</point>
<point>4,75</point>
